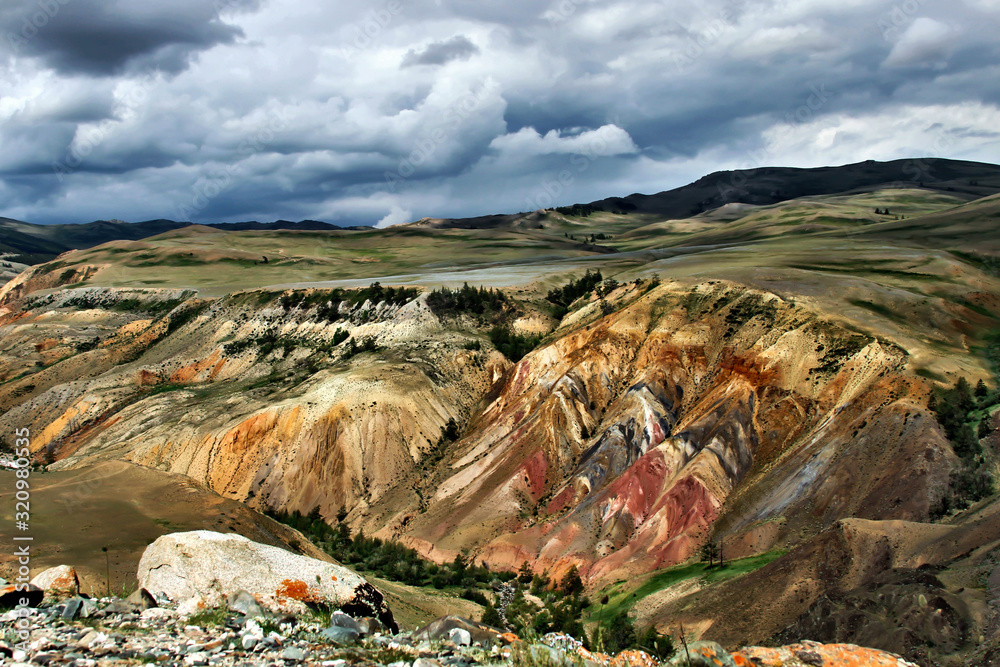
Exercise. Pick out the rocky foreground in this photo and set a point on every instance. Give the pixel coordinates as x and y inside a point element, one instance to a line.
<point>207,598</point>
<point>109,631</point>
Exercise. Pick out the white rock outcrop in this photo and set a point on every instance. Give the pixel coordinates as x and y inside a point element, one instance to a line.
<point>203,568</point>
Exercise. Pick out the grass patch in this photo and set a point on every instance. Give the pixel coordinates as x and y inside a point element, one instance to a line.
<point>209,618</point>
<point>622,600</point>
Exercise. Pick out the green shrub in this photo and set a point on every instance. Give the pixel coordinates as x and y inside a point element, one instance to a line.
<point>512,345</point>
<point>574,289</point>
<point>385,558</point>
<point>488,304</point>
<point>953,408</point>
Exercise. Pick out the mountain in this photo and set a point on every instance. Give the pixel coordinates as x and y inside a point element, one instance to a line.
<point>770,185</point>
<point>775,379</point>
<point>34,244</point>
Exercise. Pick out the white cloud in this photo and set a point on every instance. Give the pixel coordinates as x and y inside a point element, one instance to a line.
<point>396,216</point>
<point>602,142</point>
<point>969,130</point>
<point>926,42</point>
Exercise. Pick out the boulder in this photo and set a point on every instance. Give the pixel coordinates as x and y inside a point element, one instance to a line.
<point>13,595</point>
<point>369,626</point>
<point>58,582</point>
<point>441,629</point>
<point>70,609</point>
<point>212,566</point>
<point>142,599</point>
<point>702,654</point>
<point>341,620</point>
<point>339,635</point>
<point>244,603</point>
<point>812,653</point>
<point>460,636</point>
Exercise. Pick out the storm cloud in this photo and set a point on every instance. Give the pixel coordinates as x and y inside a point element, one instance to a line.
<point>439,53</point>
<point>375,114</point>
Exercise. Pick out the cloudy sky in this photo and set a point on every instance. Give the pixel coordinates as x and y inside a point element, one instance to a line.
<point>227,110</point>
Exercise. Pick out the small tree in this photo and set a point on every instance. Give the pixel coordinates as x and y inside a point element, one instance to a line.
<point>709,552</point>
<point>571,583</point>
<point>491,617</point>
<point>966,402</point>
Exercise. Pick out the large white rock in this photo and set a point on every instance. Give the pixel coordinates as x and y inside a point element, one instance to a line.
<point>211,566</point>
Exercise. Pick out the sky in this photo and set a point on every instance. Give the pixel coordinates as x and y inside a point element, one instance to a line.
<point>385,112</point>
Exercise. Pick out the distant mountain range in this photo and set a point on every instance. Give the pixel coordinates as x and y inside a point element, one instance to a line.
<point>770,185</point>
<point>765,186</point>
<point>33,244</point>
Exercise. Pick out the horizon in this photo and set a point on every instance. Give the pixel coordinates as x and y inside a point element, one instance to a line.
<point>388,113</point>
<point>348,224</point>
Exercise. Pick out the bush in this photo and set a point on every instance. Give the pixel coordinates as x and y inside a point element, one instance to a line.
<point>561,610</point>
<point>512,345</point>
<point>368,344</point>
<point>574,289</point>
<point>652,642</point>
<point>386,559</point>
<point>953,408</point>
<point>615,635</point>
<point>607,287</point>
<point>473,595</point>
<point>484,303</point>
<point>492,618</point>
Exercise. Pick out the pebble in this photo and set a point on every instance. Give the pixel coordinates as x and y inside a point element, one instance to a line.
<point>293,654</point>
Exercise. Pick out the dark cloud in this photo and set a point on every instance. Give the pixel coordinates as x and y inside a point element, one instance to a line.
<point>209,111</point>
<point>440,53</point>
<point>101,38</point>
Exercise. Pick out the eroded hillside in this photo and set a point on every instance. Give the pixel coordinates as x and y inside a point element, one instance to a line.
<point>778,408</point>
<point>616,445</point>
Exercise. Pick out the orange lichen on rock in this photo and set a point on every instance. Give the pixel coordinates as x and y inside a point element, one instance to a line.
<point>632,658</point>
<point>295,590</point>
<point>825,655</point>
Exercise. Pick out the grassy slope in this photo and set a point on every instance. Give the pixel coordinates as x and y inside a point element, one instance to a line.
<point>626,596</point>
